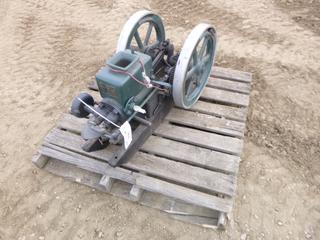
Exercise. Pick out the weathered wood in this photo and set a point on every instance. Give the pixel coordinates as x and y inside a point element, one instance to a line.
<point>74,142</point>
<point>202,221</point>
<point>206,122</point>
<point>156,145</point>
<point>39,160</point>
<point>194,177</point>
<point>156,166</point>
<point>106,182</point>
<point>174,208</point>
<point>225,97</point>
<point>190,175</point>
<point>86,163</point>
<point>73,173</point>
<point>177,207</point>
<point>231,74</point>
<point>145,182</point>
<point>92,85</point>
<point>199,138</point>
<point>229,85</point>
<point>73,158</point>
<point>222,221</point>
<point>71,123</point>
<point>186,169</point>
<point>185,194</point>
<point>135,193</point>
<point>191,154</point>
<point>223,111</point>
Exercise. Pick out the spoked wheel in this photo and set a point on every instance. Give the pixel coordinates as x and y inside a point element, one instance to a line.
<point>194,65</point>
<point>143,30</point>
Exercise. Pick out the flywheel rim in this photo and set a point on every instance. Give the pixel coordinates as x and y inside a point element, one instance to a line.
<point>181,80</point>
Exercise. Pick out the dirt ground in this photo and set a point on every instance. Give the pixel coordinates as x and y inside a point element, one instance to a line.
<point>50,49</point>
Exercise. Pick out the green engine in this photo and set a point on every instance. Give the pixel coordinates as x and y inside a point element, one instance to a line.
<point>120,79</point>
<point>140,83</point>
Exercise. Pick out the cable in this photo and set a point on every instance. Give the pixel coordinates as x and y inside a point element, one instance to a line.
<point>92,109</point>
<point>137,80</point>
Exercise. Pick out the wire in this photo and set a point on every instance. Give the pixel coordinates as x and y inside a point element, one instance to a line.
<point>92,109</point>
<point>137,80</point>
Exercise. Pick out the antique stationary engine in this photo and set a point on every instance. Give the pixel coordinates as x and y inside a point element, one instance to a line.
<point>139,82</point>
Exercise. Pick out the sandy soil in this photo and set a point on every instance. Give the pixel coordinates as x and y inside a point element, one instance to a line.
<point>49,51</point>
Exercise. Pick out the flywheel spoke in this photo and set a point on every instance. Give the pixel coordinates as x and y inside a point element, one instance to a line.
<point>191,72</point>
<point>203,47</point>
<point>138,40</point>
<point>148,35</point>
<point>195,57</point>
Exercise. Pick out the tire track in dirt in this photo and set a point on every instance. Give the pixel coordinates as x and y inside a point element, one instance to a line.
<point>102,6</point>
<point>304,13</point>
<point>264,13</point>
<point>179,13</point>
<point>4,5</point>
<point>248,35</point>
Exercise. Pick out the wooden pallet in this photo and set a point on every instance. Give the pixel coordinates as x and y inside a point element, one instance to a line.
<point>187,168</point>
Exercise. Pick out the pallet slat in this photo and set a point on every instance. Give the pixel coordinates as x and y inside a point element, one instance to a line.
<point>232,86</point>
<point>145,182</point>
<point>71,123</point>
<point>231,74</point>
<point>223,111</point>
<point>191,154</point>
<point>156,145</point>
<point>200,138</point>
<point>194,177</point>
<point>226,97</point>
<point>185,194</point>
<point>174,208</point>
<point>74,142</point>
<point>157,166</point>
<point>206,122</point>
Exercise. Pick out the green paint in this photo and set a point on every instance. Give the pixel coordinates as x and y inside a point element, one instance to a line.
<point>120,86</point>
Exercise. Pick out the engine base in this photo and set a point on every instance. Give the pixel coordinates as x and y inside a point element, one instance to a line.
<point>142,132</point>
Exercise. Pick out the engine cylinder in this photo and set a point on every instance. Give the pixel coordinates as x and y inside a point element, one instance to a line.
<point>115,80</point>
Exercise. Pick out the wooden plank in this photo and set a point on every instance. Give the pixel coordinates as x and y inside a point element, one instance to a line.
<point>135,193</point>
<point>193,176</point>
<point>199,220</point>
<point>206,122</point>
<point>73,173</point>
<point>177,207</point>
<point>229,85</point>
<point>185,194</point>
<point>222,221</point>
<point>86,163</point>
<point>231,74</point>
<point>71,123</point>
<point>74,142</point>
<point>174,208</point>
<point>199,138</point>
<point>228,112</point>
<point>106,182</point>
<point>225,97</point>
<point>39,160</point>
<point>181,173</point>
<point>194,155</point>
<point>145,182</point>
<point>74,124</point>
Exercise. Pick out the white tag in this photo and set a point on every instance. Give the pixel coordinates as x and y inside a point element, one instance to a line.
<point>147,79</point>
<point>126,132</point>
